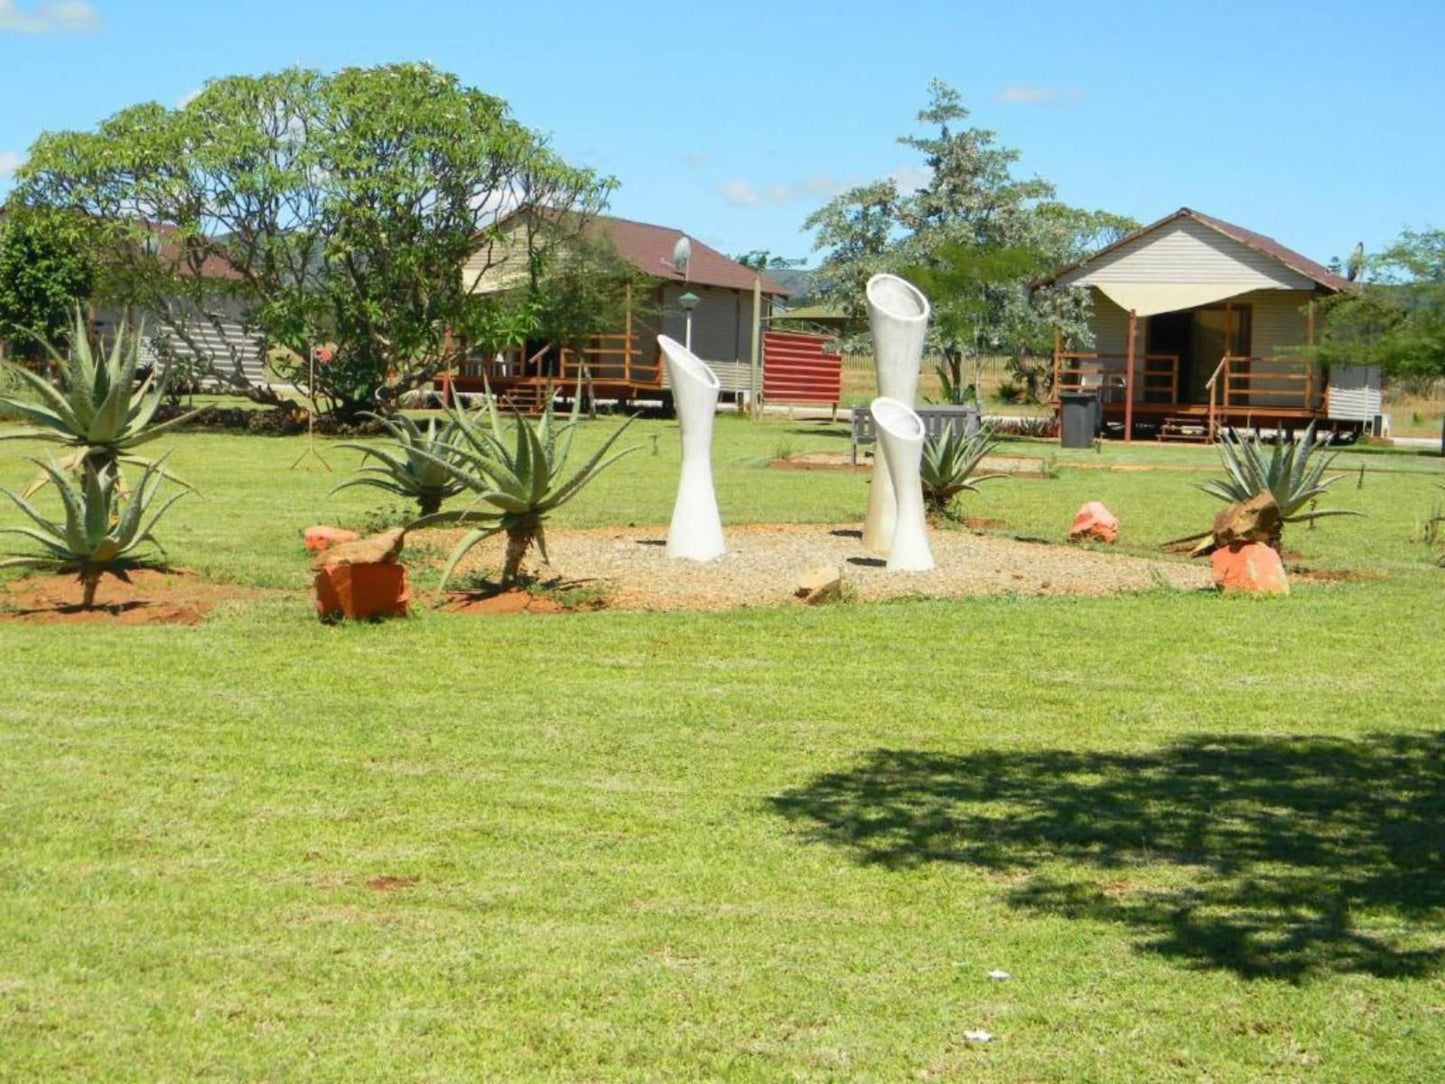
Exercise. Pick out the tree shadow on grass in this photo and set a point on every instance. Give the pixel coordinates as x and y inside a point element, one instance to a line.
<point>1268,857</point>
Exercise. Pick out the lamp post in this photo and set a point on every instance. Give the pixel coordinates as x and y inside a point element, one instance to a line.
<point>688,301</point>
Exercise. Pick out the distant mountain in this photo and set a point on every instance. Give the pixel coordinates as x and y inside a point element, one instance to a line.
<point>798,281</point>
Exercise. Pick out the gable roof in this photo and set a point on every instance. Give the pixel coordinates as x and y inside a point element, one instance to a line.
<point>1258,242</point>
<point>649,249</point>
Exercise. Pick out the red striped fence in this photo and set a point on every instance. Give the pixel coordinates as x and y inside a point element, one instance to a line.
<point>798,369</point>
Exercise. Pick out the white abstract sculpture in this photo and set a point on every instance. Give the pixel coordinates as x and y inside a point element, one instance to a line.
<point>900,436</point>
<point>696,529</point>
<point>898,316</point>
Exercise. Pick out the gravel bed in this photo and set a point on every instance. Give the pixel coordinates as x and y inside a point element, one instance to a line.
<point>764,561</point>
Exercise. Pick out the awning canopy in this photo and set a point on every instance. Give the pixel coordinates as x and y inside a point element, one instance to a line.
<point>1148,298</point>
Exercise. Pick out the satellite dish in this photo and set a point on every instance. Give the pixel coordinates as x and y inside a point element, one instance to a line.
<point>682,255</point>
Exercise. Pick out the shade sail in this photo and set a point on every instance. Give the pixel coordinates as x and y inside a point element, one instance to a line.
<point>1148,298</point>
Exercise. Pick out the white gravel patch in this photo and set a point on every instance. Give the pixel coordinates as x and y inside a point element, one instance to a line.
<point>763,563</point>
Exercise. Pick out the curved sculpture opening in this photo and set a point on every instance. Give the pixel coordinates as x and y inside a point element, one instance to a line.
<point>897,298</point>
<point>688,362</point>
<point>898,418</point>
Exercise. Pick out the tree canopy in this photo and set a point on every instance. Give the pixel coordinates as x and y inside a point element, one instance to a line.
<point>44,274</point>
<point>972,235</point>
<point>333,209</point>
<point>1395,317</point>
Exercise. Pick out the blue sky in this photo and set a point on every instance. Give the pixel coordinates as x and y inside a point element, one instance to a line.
<point>1319,123</point>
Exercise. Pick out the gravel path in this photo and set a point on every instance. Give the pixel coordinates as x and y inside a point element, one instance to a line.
<point>763,563</point>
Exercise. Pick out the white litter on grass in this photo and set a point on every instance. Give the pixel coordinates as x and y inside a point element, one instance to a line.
<point>999,976</point>
<point>979,1036</point>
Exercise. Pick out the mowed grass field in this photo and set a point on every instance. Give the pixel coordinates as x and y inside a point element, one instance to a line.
<point>1203,836</point>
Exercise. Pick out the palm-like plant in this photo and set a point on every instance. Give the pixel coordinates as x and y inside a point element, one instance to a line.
<point>98,535</point>
<point>417,466</point>
<point>948,465</point>
<point>1288,470</point>
<point>100,416</point>
<point>523,481</point>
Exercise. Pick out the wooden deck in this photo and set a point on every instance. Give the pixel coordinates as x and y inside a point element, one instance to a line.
<point>610,367</point>
<point>1242,392</point>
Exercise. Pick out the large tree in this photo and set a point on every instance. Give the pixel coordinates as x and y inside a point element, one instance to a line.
<point>1395,317</point>
<point>44,274</point>
<point>330,209</point>
<point>972,234</point>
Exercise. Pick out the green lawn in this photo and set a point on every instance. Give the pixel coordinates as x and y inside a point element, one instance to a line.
<point>1203,835</point>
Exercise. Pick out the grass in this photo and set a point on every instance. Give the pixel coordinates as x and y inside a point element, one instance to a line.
<point>1201,834</point>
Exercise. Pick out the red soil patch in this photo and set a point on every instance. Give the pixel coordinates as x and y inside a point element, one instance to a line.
<point>177,597</point>
<point>495,600</point>
<point>1333,575</point>
<point>387,883</point>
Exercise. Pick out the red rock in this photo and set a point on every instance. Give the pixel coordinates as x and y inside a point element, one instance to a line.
<point>362,591</point>
<point>1094,523</point>
<point>1251,567</point>
<point>318,539</point>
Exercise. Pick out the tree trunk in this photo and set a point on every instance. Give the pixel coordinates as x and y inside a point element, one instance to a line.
<point>90,578</point>
<point>519,538</point>
<point>1275,538</point>
<point>430,503</point>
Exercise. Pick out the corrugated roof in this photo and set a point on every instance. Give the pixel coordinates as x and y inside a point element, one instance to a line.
<point>649,249</point>
<point>1268,246</point>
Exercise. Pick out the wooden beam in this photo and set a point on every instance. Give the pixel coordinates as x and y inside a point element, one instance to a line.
<point>627,336</point>
<point>1129,379</point>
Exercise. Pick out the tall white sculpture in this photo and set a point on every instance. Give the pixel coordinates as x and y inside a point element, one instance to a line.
<point>900,436</point>
<point>696,529</point>
<point>898,316</point>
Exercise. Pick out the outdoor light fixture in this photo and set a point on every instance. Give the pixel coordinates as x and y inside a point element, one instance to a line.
<point>688,301</point>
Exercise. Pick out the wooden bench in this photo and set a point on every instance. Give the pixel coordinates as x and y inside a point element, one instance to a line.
<point>937,420</point>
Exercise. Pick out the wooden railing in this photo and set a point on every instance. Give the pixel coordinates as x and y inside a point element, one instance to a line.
<point>607,359</point>
<point>1158,375</point>
<point>1263,384</point>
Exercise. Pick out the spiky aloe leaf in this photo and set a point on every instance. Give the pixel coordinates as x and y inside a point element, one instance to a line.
<point>465,546</point>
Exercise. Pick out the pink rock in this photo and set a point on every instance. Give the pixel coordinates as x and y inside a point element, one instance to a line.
<point>1249,567</point>
<point>1095,523</point>
<point>317,539</point>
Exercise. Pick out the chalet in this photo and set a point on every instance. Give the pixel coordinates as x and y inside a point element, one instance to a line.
<point>1199,324</point>
<point>626,363</point>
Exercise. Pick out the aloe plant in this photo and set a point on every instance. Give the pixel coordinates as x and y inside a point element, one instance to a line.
<point>418,465</point>
<point>948,465</point>
<point>98,534</point>
<point>99,415</point>
<point>1291,471</point>
<point>523,481</point>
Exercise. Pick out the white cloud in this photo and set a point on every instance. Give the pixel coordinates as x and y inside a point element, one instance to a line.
<point>1032,94</point>
<point>10,161</point>
<point>49,17</point>
<point>911,178</point>
<point>819,186</point>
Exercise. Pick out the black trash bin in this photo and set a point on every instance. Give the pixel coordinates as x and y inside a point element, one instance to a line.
<point>1079,413</point>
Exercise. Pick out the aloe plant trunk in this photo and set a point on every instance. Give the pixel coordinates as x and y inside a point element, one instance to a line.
<point>430,503</point>
<point>90,578</point>
<point>519,538</point>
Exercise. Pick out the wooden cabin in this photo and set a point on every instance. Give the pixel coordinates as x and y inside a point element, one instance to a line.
<point>626,363</point>
<point>1198,325</point>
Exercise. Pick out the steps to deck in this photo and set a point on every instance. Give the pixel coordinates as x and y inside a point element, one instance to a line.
<point>1183,430</point>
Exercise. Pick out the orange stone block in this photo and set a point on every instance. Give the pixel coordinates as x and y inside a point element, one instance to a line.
<point>1095,523</point>
<point>318,538</point>
<point>1250,567</point>
<point>362,591</point>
